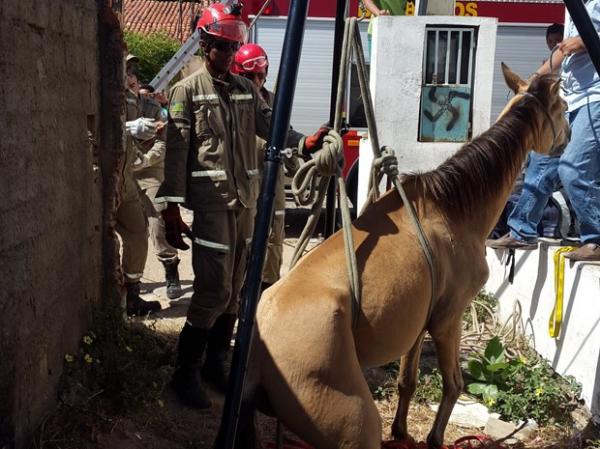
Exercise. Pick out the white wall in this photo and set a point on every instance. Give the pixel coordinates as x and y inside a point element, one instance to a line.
<point>395,81</point>
<point>396,74</point>
<point>577,350</point>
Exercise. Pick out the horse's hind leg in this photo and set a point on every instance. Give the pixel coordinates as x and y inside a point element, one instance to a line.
<point>323,397</point>
<point>407,382</point>
<point>447,344</point>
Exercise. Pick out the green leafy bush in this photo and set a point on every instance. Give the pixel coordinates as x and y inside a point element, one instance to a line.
<point>518,388</point>
<point>153,50</point>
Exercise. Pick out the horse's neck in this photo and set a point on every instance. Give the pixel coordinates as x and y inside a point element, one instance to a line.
<point>481,224</point>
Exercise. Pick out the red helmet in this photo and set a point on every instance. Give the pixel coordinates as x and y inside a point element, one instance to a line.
<point>250,58</point>
<point>223,22</point>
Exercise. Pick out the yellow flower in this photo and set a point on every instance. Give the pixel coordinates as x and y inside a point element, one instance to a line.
<point>522,359</point>
<point>69,358</point>
<point>539,391</point>
<point>87,340</point>
<point>489,402</point>
<point>88,358</point>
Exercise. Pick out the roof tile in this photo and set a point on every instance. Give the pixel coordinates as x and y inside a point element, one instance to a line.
<point>172,17</point>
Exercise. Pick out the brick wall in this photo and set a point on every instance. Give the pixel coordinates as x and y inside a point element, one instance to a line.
<point>50,200</point>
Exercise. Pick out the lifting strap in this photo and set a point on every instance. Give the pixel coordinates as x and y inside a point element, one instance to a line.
<point>556,316</point>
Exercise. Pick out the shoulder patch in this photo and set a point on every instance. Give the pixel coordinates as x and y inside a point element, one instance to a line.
<point>177,108</point>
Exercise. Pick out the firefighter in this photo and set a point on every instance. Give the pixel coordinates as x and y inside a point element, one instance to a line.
<point>212,168</point>
<point>149,172</point>
<point>251,62</point>
<point>131,222</point>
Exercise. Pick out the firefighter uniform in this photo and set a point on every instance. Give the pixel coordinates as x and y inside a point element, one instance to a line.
<point>131,221</point>
<point>212,168</point>
<point>149,173</point>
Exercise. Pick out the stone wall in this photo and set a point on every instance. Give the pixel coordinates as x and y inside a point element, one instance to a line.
<point>51,200</point>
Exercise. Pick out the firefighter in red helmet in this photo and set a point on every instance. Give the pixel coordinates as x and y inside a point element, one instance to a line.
<point>251,62</point>
<point>212,168</point>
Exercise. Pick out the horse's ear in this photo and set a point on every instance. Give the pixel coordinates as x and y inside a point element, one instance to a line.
<point>555,88</point>
<point>513,81</point>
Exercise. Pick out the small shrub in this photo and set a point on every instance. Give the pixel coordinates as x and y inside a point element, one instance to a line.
<point>519,388</point>
<point>121,365</point>
<point>429,387</point>
<point>153,50</point>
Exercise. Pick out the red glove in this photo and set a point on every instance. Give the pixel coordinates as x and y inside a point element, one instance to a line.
<point>315,142</point>
<point>175,226</point>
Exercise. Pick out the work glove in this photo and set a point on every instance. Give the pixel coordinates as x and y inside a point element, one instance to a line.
<point>142,129</point>
<point>314,142</point>
<point>175,227</point>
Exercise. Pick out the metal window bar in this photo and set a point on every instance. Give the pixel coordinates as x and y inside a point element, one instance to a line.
<point>434,79</point>
<point>453,56</point>
<point>447,71</point>
<point>471,51</point>
<point>459,58</point>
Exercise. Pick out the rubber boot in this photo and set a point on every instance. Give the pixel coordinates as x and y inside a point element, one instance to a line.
<point>185,380</point>
<point>217,365</point>
<point>174,290</point>
<point>135,304</point>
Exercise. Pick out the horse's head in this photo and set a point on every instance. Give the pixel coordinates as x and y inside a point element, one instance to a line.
<point>547,109</point>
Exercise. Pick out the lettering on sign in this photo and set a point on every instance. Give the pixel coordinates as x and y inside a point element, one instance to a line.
<point>465,9</point>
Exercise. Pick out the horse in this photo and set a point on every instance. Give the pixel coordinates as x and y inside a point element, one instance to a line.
<point>308,356</point>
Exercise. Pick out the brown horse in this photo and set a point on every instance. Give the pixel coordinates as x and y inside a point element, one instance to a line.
<point>307,358</point>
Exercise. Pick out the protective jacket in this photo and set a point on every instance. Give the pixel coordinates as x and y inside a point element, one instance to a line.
<point>128,188</point>
<point>212,162</point>
<point>149,166</point>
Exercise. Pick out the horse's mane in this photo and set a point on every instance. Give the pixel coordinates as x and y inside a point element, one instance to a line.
<point>466,180</point>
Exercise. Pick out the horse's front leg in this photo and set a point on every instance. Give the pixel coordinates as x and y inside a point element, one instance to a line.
<point>447,344</point>
<point>407,382</point>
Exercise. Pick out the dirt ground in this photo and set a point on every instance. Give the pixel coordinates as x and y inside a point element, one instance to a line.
<point>167,424</point>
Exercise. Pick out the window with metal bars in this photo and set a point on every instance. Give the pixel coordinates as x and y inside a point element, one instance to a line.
<point>447,86</point>
<point>449,56</point>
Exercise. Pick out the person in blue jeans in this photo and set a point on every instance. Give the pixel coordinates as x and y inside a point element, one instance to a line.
<point>579,167</point>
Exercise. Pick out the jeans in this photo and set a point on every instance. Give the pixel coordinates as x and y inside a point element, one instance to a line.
<point>579,171</point>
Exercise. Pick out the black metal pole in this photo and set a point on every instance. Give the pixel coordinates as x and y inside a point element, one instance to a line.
<point>340,16</point>
<point>280,123</point>
<point>586,29</point>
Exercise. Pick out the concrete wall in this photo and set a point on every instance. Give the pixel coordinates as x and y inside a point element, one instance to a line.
<point>51,207</point>
<point>576,351</point>
<point>396,78</point>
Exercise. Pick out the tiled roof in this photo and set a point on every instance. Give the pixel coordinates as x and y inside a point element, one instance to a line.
<point>173,17</point>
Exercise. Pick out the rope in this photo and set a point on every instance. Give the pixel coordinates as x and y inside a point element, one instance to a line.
<point>326,165</point>
<point>373,136</point>
<point>319,170</point>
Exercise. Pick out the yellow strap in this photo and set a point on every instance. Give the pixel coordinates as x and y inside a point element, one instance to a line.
<point>559,287</point>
